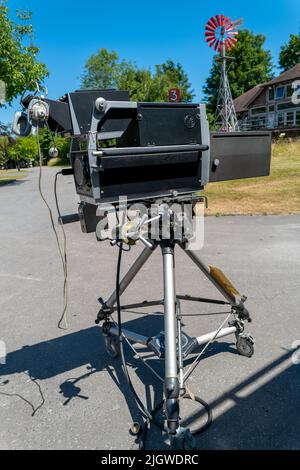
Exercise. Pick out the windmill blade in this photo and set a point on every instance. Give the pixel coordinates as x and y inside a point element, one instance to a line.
<point>228,46</point>
<point>220,31</point>
<point>209,33</point>
<point>210,28</point>
<point>215,22</point>
<point>211,24</point>
<point>238,23</point>
<point>231,43</point>
<point>223,20</point>
<point>210,39</point>
<point>212,42</point>
<point>230,28</point>
<point>217,45</point>
<point>219,20</point>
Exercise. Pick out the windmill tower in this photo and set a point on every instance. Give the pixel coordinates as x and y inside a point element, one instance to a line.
<point>221,34</point>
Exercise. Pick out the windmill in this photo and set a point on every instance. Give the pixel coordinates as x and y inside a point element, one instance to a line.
<point>221,34</point>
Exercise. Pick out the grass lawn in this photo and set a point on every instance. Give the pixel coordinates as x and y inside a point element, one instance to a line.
<point>9,176</point>
<point>276,194</point>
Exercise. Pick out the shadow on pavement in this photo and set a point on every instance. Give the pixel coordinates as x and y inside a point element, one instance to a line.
<point>264,417</point>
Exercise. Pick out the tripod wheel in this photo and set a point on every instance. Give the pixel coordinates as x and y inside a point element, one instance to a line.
<point>245,345</point>
<point>184,440</point>
<point>112,345</point>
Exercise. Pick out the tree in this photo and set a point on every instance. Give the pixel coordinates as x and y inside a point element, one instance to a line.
<point>19,67</point>
<point>251,65</point>
<point>3,150</point>
<point>290,53</point>
<point>171,75</point>
<point>102,70</point>
<point>48,140</point>
<point>25,149</point>
<point>105,70</point>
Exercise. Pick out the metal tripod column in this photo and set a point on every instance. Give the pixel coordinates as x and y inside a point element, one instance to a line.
<point>171,385</point>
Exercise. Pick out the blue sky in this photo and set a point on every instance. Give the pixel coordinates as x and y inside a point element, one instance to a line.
<point>68,32</point>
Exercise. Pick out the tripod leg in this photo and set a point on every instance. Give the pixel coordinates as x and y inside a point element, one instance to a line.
<point>171,385</point>
<point>127,279</point>
<point>220,281</point>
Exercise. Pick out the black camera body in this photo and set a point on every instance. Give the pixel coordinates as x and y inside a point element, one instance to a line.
<point>144,151</point>
<point>159,150</point>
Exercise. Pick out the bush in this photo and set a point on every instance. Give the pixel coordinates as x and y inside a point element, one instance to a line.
<point>56,162</point>
<point>25,149</point>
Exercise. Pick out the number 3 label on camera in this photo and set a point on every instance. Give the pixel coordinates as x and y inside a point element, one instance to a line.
<point>174,95</point>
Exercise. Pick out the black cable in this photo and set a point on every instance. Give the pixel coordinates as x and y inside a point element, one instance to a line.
<point>17,395</point>
<point>192,397</point>
<point>65,264</point>
<point>119,315</point>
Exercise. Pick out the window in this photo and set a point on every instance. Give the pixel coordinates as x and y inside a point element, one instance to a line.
<point>262,121</point>
<point>289,91</point>
<point>271,94</point>
<point>280,120</point>
<point>272,108</point>
<point>290,119</point>
<point>298,118</point>
<point>256,111</point>
<point>280,93</point>
<point>289,105</point>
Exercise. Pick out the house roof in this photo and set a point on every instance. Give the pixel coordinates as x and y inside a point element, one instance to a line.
<point>289,75</point>
<point>242,102</point>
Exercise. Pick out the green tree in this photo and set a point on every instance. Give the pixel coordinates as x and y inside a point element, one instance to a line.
<point>48,140</point>
<point>251,65</point>
<point>19,67</point>
<point>290,53</point>
<point>105,70</point>
<point>3,150</point>
<point>102,70</point>
<point>25,148</point>
<point>171,75</point>
<point>137,81</point>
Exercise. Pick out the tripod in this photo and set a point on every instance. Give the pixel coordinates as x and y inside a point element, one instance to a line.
<point>173,345</point>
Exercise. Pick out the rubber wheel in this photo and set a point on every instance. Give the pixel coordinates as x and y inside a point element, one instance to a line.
<point>112,346</point>
<point>245,346</point>
<point>186,442</point>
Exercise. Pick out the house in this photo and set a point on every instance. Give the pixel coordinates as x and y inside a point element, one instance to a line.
<point>274,105</point>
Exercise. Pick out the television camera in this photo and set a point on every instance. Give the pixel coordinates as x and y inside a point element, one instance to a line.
<point>152,153</point>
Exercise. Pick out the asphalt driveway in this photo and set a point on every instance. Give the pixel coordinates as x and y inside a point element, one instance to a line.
<point>77,394</point>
